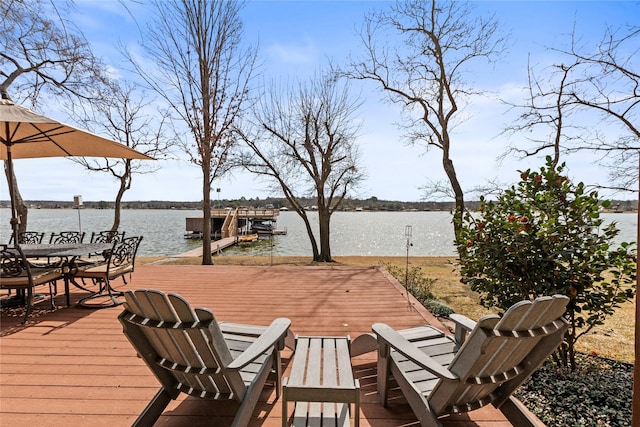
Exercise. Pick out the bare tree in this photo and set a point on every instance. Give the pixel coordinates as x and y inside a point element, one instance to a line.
<point>550,115</point>
<point>304,143</point>
<point>203,73</point>
<point>610,87</point>
<point>439,41</point>
<point>127,117</point>
<point>41,51</point>
<point>568,108</point>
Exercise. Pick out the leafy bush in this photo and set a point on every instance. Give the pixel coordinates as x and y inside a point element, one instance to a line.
<point>414,279</point>
<point>544,237</point>
<point>438,308</point>
<point>420,287</point>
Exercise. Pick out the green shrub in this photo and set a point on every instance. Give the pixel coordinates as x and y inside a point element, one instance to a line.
<point>420,287</point>
<point>545,237</point>
<point>438,308</point>
<point>413,279</point>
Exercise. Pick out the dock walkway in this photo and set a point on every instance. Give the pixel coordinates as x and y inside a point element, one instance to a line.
<point>216,246</point>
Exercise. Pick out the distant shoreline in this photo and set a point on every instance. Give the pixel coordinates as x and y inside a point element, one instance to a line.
<point>368,205</point>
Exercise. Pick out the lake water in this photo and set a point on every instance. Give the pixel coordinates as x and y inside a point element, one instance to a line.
<point>352,233</point>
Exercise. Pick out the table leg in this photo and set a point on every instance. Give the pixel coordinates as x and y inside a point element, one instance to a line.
<point>285,405</point>
<point>66,290</point>
<point>69,269</point>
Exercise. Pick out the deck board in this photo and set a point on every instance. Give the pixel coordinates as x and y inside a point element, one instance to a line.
<point>73,366</point>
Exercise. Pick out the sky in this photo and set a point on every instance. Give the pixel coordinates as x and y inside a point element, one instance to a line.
<point>297,38</point>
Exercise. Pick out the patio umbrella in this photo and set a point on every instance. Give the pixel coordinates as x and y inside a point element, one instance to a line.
<point>25,134</point>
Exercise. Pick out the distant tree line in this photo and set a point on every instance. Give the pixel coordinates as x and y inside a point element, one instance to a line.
<point>370,204</point>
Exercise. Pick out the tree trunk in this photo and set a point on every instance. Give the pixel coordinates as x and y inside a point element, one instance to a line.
<point>206,218</point>
<point>312,238</point>
<point>635,413</point>
<point>570,339</point>
<point>458,193</point>
<point>21,211</point>
<point>324,219</point>
<point>118,206</point>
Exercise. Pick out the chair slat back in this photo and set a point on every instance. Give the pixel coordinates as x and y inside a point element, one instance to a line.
<point>501,352</point>
<point>28,238</point>
<point>107,236</point>
<point>65,237</point>
<point>185,347</point>
<point>13,265</point>
<point>123,253</point>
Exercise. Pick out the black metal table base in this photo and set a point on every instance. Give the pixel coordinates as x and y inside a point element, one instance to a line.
<point>106,298</point>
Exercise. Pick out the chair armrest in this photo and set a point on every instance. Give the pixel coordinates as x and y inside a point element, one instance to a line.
<point>274,333</point>
<point>464,325</point>
<point>389,336</point>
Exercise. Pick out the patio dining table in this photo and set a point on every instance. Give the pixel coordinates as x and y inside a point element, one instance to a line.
<point>69,254</point>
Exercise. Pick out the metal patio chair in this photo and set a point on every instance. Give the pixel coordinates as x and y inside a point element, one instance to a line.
<point>28,238</point>
<point>19,275</point>
<point>119,262</point>
<point>66,237</point>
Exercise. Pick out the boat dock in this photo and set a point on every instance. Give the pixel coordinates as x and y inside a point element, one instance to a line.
<point>231,222</point>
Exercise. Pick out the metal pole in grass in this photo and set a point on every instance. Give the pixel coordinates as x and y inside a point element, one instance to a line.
<point>407,234</point>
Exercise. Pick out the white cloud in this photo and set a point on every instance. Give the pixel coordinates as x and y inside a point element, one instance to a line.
<point>302,54</point>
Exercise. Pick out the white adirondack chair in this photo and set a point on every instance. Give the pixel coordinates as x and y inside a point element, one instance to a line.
<point>483,364</point>
<point>190,352</point>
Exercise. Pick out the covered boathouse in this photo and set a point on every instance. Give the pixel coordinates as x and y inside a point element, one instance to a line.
<point>232,222</point>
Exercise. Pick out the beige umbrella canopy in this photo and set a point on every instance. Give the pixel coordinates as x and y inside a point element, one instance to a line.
<point>25,134</point>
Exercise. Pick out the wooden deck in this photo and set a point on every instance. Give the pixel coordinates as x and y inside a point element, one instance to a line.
<point>74,367</point>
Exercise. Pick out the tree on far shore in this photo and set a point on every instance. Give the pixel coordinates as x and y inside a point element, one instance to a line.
<point>303,141</point>
<point>203,73</point>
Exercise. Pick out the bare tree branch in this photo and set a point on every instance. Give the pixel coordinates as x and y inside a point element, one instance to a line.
<point>595,88</point>
<point>431,47</point>
<point>303,141</point>
<point>202,71</point>
<point>42,51</point>
<point>123,113</point>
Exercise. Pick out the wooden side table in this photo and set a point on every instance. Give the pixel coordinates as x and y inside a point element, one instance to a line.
<point>321,383</point>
